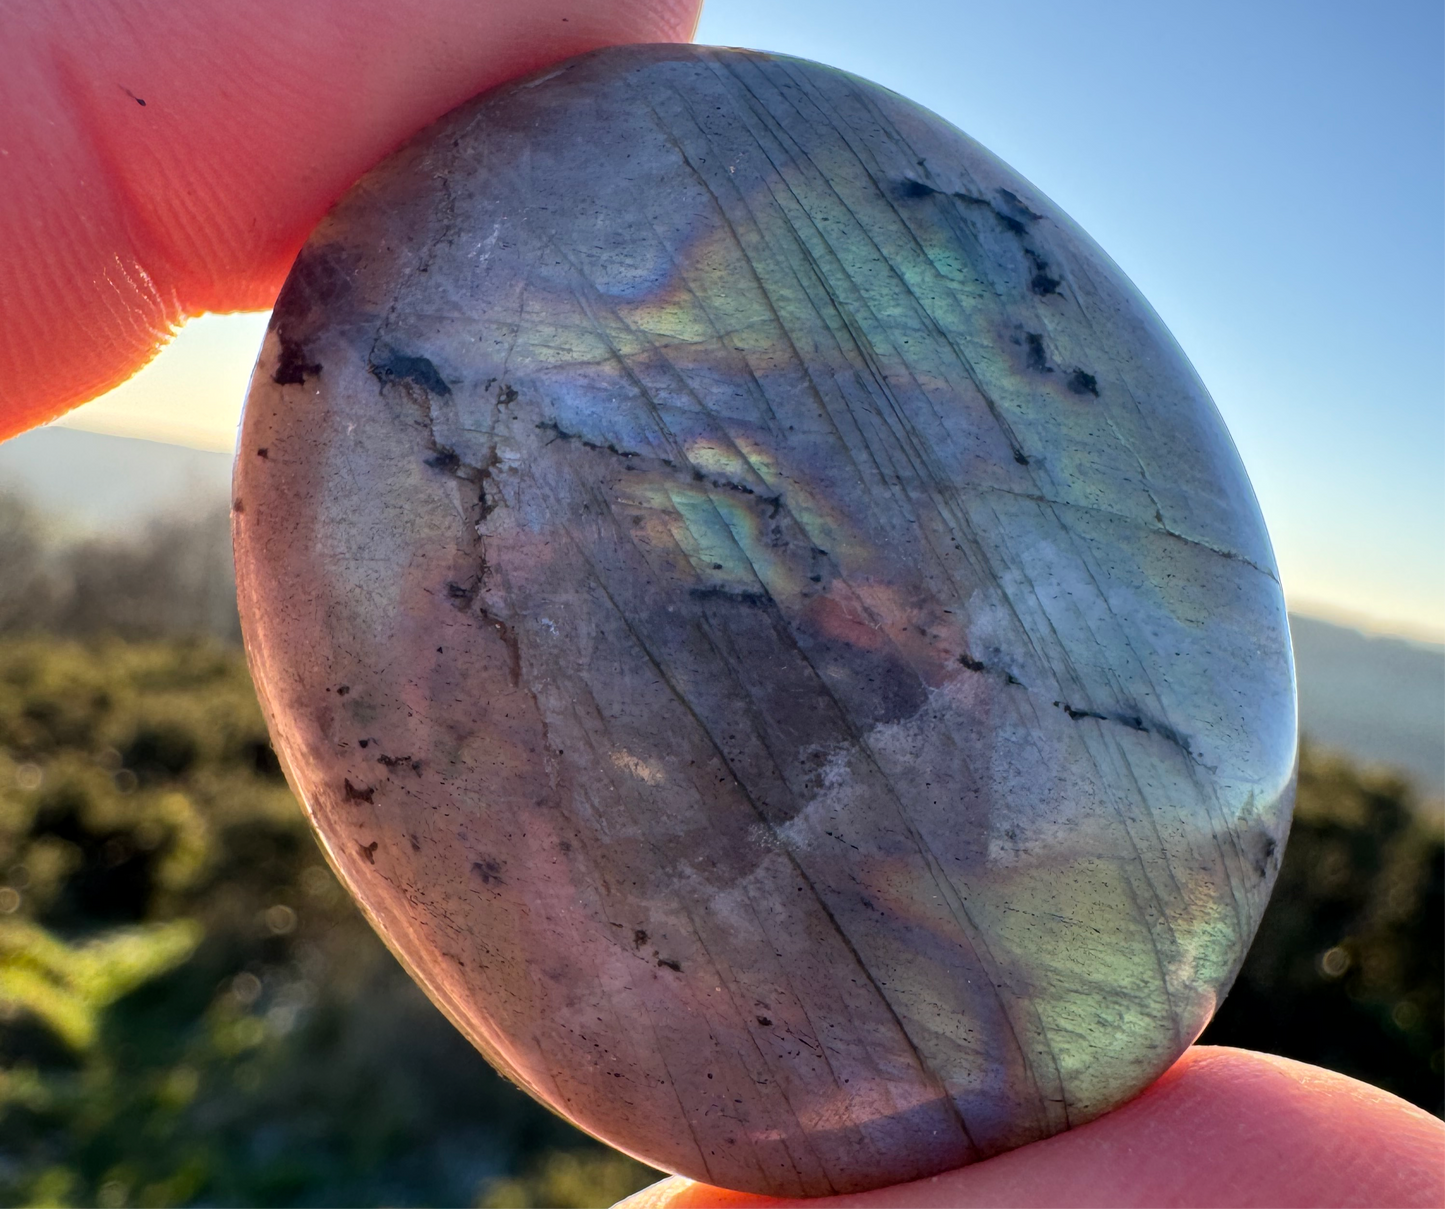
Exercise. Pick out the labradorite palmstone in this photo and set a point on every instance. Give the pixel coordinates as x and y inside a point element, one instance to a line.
<point>765,620</point>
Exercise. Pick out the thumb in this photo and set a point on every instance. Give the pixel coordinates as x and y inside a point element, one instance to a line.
<point>163,159</point>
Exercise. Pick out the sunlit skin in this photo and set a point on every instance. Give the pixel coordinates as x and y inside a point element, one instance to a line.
<point>121,219</point>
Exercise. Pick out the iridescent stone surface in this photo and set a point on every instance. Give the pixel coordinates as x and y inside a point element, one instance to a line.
<point>765,619</point>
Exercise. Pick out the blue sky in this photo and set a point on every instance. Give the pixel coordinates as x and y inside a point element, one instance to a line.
<point>1269,174</point>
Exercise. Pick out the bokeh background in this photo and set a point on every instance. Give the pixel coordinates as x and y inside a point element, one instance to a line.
<point>193,1012</point>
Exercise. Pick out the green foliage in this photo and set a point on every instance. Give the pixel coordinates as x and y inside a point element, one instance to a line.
<point>1346,971</point>
<point>568,1179</point>
<point>67,986</point>
<point>191,1008</point>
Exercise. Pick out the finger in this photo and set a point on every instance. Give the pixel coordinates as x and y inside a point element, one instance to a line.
<point>160,159</point>
<point>1223,1127</point>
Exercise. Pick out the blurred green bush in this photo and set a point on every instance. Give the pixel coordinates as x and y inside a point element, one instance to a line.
<point>192,1010</point>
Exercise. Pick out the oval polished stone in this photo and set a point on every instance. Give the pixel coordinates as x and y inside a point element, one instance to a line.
<point>765,620</point>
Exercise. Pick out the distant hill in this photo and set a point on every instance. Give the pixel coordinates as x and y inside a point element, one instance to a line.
<point>1378,699</point>
<point>1381,700</point>
<point>90,481</point>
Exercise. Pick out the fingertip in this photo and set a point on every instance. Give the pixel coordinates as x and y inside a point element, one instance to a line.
<point>678,1192</point>
<point>1222,1127</point>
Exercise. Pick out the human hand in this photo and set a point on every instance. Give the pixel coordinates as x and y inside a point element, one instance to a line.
<point>164,160</point>
<point>1222,1127</point>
